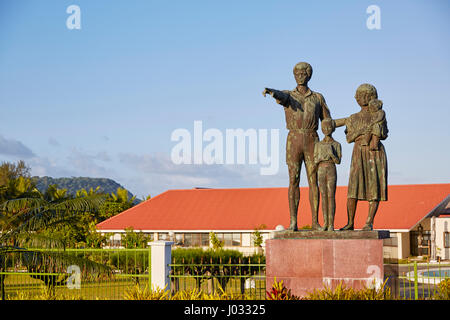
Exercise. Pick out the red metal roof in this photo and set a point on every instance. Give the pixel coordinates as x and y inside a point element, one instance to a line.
<point>245,209</point>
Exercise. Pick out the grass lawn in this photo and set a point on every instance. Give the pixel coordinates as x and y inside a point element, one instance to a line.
<point>23,286</point>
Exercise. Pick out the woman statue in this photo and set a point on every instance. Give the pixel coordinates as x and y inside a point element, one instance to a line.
<point>368,170</point>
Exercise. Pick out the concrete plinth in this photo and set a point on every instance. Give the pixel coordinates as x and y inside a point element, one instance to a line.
<point>307,261</point>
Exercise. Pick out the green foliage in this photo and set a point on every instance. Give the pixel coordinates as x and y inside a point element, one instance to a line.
<point>130,263</point>
<point>18,188</point>
<point>52,218</point>
<point>116,203</point>
<point>10,171</point>
<point>257,236</point>
<point>443,290</point>
<point>280,292</point>
<point>80,231</point>
<point>93,238</point>
<point>74,184</point>
<point>211,256</point>
<point>216,243</point>
<point>45,293</point>
<point>138,293</point>
<point>219,264</point>
<point>133,239</point>
<point>342,292</point>
<point>65,210</point>
<point>199,255</point>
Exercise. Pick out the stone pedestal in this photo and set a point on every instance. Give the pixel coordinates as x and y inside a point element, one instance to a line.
<point>308,260</point>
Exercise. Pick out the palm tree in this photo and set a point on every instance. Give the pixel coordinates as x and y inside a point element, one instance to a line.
<point>116,203</point>
<point>122,197</point>
<point>22,221</point>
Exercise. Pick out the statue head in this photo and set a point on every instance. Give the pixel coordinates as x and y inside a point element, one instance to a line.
<point>302,73</point>
<point>328,126</point>
<point>375,105</point>
<point>365,93</point>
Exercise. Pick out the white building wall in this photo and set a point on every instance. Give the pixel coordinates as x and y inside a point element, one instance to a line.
<point>246,239</point>
<point>404,247</point>
<point>442,225</point>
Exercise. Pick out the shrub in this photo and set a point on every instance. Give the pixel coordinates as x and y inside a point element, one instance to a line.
<point>129,261</point>
<point>220,264</point>
<point>280,292</point>
<point>138,293</point>
<point>216,243</point>
<point>443,290</point>
<point>342,292</point>
<point>257,236</point>
<point>45,293</point>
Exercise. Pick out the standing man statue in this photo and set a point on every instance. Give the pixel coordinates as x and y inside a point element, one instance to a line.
<point>303,109</point>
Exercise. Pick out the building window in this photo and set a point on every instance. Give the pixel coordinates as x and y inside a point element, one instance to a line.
<point>390,242</point>
<point>196,239</point>
<point>163,236</point>
<point>230,239</point>
<point>113,243</point>
<point>446,239</point>
<point>227,239</point>
<point>178,238</point>
<point>419,249</point>
<point>205,239</point>
<point>236,239</point>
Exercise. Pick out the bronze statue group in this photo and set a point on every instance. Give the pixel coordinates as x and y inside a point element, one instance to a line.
<point>366,128</point>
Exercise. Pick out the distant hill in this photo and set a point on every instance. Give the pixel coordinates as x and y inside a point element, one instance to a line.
<point>74,184</point>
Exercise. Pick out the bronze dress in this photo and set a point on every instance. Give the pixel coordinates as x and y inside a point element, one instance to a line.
<point>368,169</point>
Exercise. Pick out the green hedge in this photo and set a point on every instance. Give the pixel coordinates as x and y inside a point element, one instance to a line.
<point>221,264</point>
<point>211,256</point>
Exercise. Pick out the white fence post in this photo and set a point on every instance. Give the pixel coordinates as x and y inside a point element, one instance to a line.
<point>161,257</point>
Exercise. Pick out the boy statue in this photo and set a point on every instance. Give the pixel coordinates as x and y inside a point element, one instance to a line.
<point>327,153</point>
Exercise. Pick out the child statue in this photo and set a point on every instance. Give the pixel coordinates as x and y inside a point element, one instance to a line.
<point>374,130</point>
<point>327,153</point>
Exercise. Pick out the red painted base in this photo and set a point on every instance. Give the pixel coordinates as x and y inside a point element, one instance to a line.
<point>308,264</point>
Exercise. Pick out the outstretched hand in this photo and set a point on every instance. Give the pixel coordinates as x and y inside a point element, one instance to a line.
<point>267,91</point>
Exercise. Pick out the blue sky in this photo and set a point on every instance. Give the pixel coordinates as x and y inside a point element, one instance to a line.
<point>103,101</point>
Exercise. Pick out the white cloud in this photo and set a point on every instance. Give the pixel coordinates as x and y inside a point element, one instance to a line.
<point>43,166</point>
<point>86,164</point>
<point>155,173</point>
<point>53,142</point>
<point>15,148</point>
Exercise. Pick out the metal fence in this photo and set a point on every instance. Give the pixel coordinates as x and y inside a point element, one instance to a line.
<point>416,280</point>
<point>73,273</point>
<point>246,279</point>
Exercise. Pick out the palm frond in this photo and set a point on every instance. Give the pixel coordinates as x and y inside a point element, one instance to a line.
<point>39,240</point>
<point>38,260</point>
<point>89,203</point>
<point>40,214</point>
<point>24,204</point>
<point>23,218</point>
